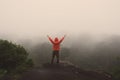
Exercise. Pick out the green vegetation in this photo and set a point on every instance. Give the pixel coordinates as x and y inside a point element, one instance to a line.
<point>115,71</point>
<point>13,59</point>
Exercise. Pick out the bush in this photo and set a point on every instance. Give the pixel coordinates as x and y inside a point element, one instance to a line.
<point>116,69</point>
<point>13,57</point>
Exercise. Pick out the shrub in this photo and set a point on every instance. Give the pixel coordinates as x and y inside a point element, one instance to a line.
<point>13,57</point>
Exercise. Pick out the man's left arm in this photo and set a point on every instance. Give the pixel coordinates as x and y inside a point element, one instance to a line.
<point>62,38</point>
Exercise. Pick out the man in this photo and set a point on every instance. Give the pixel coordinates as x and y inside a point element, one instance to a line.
<point>56,47</point>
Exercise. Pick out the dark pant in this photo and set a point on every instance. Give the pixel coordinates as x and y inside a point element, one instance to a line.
<point>55,53</point>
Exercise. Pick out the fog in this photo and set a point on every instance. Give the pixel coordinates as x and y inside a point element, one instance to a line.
<point>34,19</point>
<point>91,28</point>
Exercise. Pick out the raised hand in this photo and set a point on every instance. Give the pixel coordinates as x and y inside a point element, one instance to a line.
<point>48,36</point>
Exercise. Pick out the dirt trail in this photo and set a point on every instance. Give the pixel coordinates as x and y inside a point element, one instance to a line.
<point>63,71</point>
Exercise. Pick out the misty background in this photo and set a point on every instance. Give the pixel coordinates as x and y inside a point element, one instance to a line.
<point>92,29</point>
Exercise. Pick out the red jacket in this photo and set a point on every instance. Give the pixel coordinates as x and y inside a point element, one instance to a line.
<point>56,43</point>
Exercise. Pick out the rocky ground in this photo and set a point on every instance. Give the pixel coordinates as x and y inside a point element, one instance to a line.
<point>63,71</point>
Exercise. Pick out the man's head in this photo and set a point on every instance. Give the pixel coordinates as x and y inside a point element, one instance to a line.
<point>56,39</point>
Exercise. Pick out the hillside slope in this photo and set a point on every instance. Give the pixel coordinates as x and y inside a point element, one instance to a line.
<point>63,71</point>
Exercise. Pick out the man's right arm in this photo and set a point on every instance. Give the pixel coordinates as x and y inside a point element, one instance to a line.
<point>50,39</point>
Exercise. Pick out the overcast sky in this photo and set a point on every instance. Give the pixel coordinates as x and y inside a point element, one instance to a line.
<point>37,18</point>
